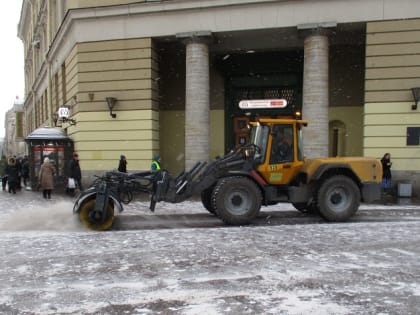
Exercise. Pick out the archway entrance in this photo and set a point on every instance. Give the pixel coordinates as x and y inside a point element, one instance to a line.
<point>266,75</point>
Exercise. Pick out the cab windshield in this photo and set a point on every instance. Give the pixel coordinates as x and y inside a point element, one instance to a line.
<point>259,137</point>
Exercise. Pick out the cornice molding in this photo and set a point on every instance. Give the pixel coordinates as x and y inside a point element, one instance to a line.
<point>168,18</point>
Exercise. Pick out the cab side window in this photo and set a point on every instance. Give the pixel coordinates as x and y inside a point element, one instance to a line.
<point>282,145</point>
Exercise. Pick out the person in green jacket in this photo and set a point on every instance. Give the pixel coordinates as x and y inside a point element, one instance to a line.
<point>155,163</point>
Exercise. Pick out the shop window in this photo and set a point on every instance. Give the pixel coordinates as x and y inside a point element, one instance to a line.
<point>413,135</point>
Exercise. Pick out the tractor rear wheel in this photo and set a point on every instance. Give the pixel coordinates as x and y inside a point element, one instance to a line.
<point>237,200</point>
<point>88,219</point>
<point>338,198</point>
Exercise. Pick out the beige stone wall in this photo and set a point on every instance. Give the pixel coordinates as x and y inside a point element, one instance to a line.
<point>351,142</point>
<point>217,133</point>
<point>392,69</point>
<point>172,141</point>
<point>124,69</point>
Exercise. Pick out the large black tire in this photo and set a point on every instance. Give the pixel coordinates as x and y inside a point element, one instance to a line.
<point>338,198</point>
<point>206,200</point>
<point>86,208</point>
<point>236,200</point>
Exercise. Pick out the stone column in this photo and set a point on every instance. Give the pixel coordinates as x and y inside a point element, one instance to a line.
<point>197,98</point>
<point>315,91</point>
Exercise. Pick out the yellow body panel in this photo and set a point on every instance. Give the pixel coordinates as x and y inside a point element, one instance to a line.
<point>280,174</point>
<point>368,170</point>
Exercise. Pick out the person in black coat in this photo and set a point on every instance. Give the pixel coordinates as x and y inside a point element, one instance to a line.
<point>122,166</point>
<point>386,171</point>
<point>75,171</point>
<point>25,170</point>
<point>4,181</point>
<point>12,172</point>
<point>3,165</point>
<point>19,168</point>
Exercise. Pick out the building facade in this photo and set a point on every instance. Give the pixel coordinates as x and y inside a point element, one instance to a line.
<point>178,68</point>
<point>14,126</point>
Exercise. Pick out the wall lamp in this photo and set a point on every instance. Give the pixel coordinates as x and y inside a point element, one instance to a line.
<point>111,103</point>
<point>63,116</point>
<point>416,96</point>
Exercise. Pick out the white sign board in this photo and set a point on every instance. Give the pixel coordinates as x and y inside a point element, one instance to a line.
<point>257,104</point>
<point>63,112</point>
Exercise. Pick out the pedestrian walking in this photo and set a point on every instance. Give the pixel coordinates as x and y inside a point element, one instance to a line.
<point>386,173</point>
<point>122,166</point>
<point>46,178</point>
<point>3,165</point>
<point>4,181</point>
<point>25,170</point>
<point>19,168</point>
<point>12,172</point>
<point>75,171</point>
<point>155,163</point>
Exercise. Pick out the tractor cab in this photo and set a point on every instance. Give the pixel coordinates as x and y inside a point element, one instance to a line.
<point>280,148</point>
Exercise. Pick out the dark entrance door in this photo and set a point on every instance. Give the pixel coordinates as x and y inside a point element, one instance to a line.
<point>236,119</point>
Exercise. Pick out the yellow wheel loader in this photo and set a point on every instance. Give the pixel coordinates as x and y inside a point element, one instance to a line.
<point>268,170</point>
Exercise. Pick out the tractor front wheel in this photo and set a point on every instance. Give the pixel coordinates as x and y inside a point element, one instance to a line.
<point>237,200</point>
<point>206,200</point>
<point>93,221</point>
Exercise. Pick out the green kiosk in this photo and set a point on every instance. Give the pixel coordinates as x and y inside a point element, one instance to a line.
<point>54,144</point>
